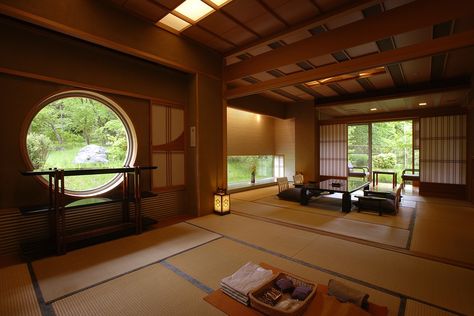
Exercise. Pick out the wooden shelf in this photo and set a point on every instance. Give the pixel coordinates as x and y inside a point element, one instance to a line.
<point>57,208</point>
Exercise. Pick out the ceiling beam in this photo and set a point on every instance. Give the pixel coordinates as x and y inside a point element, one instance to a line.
<point>424,49</point>
<point>402,19</point>
<point>305,25</point>
<point>460,84</point>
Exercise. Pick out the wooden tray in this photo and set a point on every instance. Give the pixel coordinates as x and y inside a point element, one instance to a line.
<point>257,303</point>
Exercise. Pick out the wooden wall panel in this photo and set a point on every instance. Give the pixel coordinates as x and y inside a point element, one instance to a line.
<point>249,133</point>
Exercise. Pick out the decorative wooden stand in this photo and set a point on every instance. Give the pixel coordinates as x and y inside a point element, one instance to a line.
<point>57,207</point>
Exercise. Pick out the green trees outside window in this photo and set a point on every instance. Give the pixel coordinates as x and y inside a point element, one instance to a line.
<point>78,132</point>
<point>240,168</point>
<point>391,146</point>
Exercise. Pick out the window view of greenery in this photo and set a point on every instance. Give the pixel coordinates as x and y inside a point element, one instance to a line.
<point>240,168</point>
<point>77,132</point>
<point>358,145</point>
<point>392,145</point>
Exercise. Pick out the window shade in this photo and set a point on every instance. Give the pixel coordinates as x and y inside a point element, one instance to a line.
<point>333,150</point>
<point>443,149</point>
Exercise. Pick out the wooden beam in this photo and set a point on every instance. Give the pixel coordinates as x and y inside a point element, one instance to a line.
<point>305,25</point>
<point>396,115</point>
<point>390,94</point>
<point>402,19</point>
<point>424,49</point>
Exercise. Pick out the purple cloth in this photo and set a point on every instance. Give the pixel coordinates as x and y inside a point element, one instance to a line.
<point>301,292</point>
<point>284,284</point>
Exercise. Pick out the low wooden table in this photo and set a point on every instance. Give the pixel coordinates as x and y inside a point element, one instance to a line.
<point>331,186</point>
<point>375,177</point>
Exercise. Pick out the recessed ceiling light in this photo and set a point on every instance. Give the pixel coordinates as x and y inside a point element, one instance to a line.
<point>174,22</point>
<point>422,103</point>
<point>373,109</point>
<point>194,9</point>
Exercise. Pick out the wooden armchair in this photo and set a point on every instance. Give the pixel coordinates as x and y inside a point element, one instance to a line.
<point>360,172</point>
<point>298,180</point>
<point>282,184</point>
<point>381,202</point>
<point>410,175</point>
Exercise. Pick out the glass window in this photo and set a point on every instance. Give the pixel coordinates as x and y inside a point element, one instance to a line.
<point>81,129</point>
<point>240,168</point>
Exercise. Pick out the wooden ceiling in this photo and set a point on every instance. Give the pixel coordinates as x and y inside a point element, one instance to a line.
<point>423,50</point>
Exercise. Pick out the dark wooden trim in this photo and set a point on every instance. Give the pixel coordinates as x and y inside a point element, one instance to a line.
<point>414,16</point>
<point>444,190</point>
<point>456,84</point>
<point>398,115</point>
<point>98,40</point>
<point>305,25</point>
<point>324,178</point>
<point>81,85</point>
<point>273,13</point>
<point>423,49</point>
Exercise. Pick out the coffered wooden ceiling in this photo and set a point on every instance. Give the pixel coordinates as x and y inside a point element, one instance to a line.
<point>354,52</point>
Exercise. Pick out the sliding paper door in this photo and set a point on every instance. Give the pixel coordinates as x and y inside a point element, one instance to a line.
<point>333,150</point>
<point>167,127</point>
<point>443,149</point>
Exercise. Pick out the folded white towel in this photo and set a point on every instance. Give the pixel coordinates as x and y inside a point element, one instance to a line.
<point>247,278</point>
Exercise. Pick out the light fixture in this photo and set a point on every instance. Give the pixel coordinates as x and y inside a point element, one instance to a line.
<point>363,74</point>
<point>194,9</point>
<point>221,202</point>
<point>373,109</point>
<point>422,103</point>
<point>173,22</point>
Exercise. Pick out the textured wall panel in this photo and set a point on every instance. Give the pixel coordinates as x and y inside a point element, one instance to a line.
<point>333,150</point>
<point>443,149</point>
<point>16,228</point>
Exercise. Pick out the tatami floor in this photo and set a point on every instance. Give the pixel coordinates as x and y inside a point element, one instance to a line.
<point>420,262</point>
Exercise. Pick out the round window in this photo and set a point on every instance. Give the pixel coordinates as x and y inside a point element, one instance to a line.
<point>81,129</point>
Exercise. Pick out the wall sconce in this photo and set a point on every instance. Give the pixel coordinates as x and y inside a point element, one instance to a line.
<point>221,202</point>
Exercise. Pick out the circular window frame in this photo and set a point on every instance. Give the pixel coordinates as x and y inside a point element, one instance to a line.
<point>132,143</point>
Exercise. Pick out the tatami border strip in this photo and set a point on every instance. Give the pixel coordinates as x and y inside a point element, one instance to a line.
<point>365,242</point>
<point>411,228</point>
<point>45,308</point>
<point>188,277</point>
<point>133,270</point>
<point>337,274</point>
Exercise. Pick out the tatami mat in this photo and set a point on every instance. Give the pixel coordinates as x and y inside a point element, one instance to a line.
<point>425,280</point>
<point>444,230</point>
<point>61,275</point>
<point>154,290</point>
<point>17,295</point>
<point>220,258</point>
<point>339,225</point>
<point>252,195</point>
<point>414,308</point>
<point>332,207</point>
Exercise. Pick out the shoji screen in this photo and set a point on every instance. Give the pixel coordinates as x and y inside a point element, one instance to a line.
<point>167,128</point>
<point>443,149</point>
<point>333,150</point>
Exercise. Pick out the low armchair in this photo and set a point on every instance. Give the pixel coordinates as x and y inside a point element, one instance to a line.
<point>380,202</point>
<point>360,172</point>
<point>410,175</point>
<point>298,180</point>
